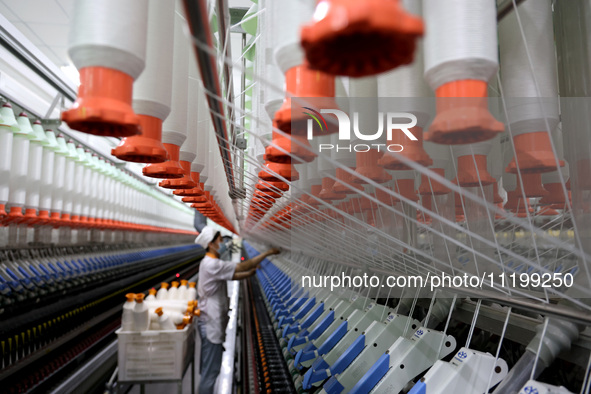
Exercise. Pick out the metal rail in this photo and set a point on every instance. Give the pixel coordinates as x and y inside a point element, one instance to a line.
<point>197,17</point>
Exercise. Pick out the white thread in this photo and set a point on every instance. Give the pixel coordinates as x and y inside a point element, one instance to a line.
<point>407,81</point>
<point>269,30</point>
<point>314,177</point>
<point>364,93</point>
<point>480,148</point>
<point>325,167</point>
<point>531,93</point>
<point>203,122</point>
<point>509,180</point>
<point>439,153</point>
<point>190,146</point>
<point>174,129</point>
<point>287,18</point>
<point>495,163</point>
<point>460,41</point>
<point>152,92</point>
<point>399,175</point>
<point>109,33</point>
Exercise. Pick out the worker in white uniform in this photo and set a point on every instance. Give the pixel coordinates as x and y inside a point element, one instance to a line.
<point>213,301</point>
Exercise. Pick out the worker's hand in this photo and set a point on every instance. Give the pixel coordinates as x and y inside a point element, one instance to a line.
<point>273,251</point>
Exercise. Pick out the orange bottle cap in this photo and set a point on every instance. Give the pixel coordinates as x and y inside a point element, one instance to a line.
<point>130,297</point>
<point>139,298</point>
<point>164,285</point>
<point>144,148</point>
<point>347,34</point>
<point>103,106</point>
<point>175,284</point>
<point>192,284</point>
<point>462,114</point>
<point>184,282</point>
<point>159,311</point>
<point>534,154</point>
<point>170,169</point>
<point>152,291</point>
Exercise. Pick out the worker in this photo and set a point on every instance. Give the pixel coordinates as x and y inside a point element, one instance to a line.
<point>213,301</point>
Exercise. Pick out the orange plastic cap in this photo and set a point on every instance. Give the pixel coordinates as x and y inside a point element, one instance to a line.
<point>284,170</point>
<point>327,192</point>
<point>159,311</point>
<point>532,185</point>
<point>431,186</point>
<point>534,154</point>
<point>462,114</point>
<point>103,106</point>
<point>472,171</point>
<point>386,197</point>
<point>164,285</point>
<point>144,148</point>
<point>360,38</point>
<point>344,183</point>
<point>367,165</point>
<point>267,186</point>
<point>15,215</point>
<point>555,195</point>
<point>139,298</point>
<point>284,151</point>
<point>317,87</point>
<point>181,183</point>
<point>152,291</point>
<point>413,150</point>
<point>130,297</point>
<point>170,169</point>
<point>174,284</point>
<point>406,188</point>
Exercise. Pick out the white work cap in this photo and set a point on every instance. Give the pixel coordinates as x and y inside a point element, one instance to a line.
<point>205,237</point>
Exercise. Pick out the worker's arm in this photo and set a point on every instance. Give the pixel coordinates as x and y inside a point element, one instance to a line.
<point>244,275</point>
<point>253,263</point>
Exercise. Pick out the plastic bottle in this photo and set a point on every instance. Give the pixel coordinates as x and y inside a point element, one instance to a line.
<point>141,318</point>
<point>162,292</point>
<point>154,324</point>
<point>173,292</point>
<point>152,295</point>
<point>176,317</point>
<point>192,291</point>
<point>186,322</point>
<point>182,293</point>
<point>127,316</point>
<point>169,305</point>
<point>164,320</point>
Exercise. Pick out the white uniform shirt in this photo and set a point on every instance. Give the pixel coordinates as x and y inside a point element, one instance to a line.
<point>213,296</point>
